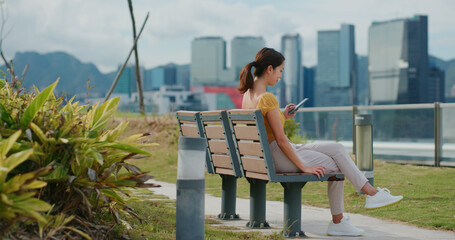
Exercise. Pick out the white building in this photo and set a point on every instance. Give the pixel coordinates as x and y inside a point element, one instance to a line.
<point>208,62</point>
<point>291,47</point>
<point>174,98</point>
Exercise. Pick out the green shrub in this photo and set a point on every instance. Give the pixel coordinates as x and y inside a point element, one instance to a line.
<point>65,151</point>
<point>17,192</point>
<point>291,128</point>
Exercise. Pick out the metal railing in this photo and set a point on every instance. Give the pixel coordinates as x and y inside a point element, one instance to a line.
<point>437,119</point>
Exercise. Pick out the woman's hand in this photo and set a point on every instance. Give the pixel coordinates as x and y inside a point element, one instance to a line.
<point>316,170</point>
<point>287,109</point>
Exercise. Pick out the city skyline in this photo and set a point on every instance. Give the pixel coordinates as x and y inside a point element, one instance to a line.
<point>104,37</point>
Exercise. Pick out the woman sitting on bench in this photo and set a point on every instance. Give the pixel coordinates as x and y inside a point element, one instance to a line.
<point>315,158</point>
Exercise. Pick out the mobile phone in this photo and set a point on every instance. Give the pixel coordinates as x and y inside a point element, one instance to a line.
<point>298,106</point>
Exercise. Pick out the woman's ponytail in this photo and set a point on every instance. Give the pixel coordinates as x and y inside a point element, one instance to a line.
<point>246,78</point>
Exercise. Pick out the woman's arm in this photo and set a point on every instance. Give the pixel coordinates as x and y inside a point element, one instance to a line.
<point>273,118</point>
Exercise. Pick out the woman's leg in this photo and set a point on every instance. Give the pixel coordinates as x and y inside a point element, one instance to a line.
<point>343,161</point>
<point>334,188</point>
<point>335,194</point>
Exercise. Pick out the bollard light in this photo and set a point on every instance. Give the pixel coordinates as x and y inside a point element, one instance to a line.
<point>364,145</point>
<point>190,188</point>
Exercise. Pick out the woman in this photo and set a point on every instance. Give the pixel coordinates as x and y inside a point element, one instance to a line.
<point>315,158</point>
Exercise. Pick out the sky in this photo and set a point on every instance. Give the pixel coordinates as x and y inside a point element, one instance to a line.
<point>100,31</point>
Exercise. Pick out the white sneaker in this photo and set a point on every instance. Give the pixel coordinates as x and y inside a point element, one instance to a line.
<point>382,198</point>
<point>344,228</point>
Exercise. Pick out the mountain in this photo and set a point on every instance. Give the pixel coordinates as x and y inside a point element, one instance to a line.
<point>449,70</point>
<point>440,63</point>
<point>46,68</point>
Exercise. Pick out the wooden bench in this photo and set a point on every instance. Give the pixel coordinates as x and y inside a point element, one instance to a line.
<point>238,147</point>
<point>221,156</point>
<point>257,163</point>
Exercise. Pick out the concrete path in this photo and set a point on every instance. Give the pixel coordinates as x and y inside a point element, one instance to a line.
<point>314,220</point>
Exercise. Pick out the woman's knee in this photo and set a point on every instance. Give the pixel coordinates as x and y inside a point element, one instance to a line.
<point>336,146</point>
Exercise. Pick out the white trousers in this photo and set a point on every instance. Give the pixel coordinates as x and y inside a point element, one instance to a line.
<point>330,155</point>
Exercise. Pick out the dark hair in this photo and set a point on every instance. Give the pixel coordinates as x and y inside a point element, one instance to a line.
<point>264,58</point>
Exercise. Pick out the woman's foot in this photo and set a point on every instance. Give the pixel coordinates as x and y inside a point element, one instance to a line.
<point>382,198</point>
<point>344,228</point>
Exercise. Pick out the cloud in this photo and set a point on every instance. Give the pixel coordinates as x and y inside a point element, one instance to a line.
<point>99,31</point>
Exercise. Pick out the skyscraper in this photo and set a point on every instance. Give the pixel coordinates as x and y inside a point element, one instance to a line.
<point>124,82</point>
<point>183,76</point>
<point>160,76</point>
<point>362,88</point>
<point>127,81</point>
<point>291,48</point>
<point>309,75</point>
<point>436,84</point>
<point>243,51</point>
<point>208,62</point>
<point>398,61</point>
<point>336,70</point>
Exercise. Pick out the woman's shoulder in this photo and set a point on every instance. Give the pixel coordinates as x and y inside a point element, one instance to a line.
<point>267,96</point>
<point>267,99</point>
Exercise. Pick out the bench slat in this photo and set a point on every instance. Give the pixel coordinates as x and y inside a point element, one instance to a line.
<point>189,130</point>
<point>304,174</point>
<point>256,176</point>
<point>223,161</point>
<point>246,132</point>
<point>214,131</point>
<point>250,148</point>
<point>187,122</point>
<point>254,164</point>
<point>218,146</point>
<point>224,171</point>
<point>242,111</point>
<point>211,122</point>
<point>243,122</point>
<point>211,113</point>
<point>186,113</point>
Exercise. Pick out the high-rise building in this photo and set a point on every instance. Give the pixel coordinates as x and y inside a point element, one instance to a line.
<point>309,75</point>
<point>127,81</point>
<point>362,88</point>
<point>183,76</point>
<point>450,80</point>
<point>336,70</point>
<point>291,48</point>
<point>124,82</point>
<point>160,76</point>
<point>436,84</point>
<point>243,51</point>
<point>398,61</point>
<point>208,62</point>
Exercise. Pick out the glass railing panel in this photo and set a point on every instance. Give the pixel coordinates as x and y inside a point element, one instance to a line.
<point>326,125</point>
<point>448,134</point>
<point>404,134</point>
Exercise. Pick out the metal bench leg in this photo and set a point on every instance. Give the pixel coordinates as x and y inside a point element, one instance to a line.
<point>293,209</point>
<point>228,198</point>
<point>257,204</point>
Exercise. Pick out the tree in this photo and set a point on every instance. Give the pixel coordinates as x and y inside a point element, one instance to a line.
<point>119,73</point>
<point>138,73</point>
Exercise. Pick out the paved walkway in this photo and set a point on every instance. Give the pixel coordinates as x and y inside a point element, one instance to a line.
<point>314,220</point>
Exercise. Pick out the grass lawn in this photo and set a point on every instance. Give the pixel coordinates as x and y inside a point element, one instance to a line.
<point>158,221</point>
<point>429,194</point>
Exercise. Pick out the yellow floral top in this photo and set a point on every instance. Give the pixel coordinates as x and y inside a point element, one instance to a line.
<point>266,103</point>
